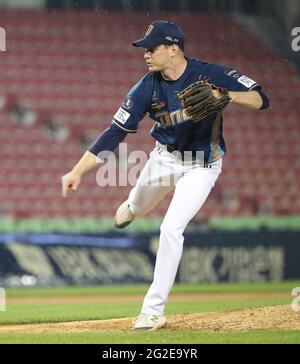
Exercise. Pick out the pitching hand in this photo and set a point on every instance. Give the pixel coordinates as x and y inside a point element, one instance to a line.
<point>70,182</point>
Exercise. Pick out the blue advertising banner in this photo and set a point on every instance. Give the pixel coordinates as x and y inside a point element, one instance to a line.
<point>57,259</point>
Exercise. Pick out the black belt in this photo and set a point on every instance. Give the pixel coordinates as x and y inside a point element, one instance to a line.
<point>184,155</point>
<point>187,156</point>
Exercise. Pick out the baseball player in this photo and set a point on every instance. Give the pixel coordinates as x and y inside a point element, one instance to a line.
<point>185,99</point>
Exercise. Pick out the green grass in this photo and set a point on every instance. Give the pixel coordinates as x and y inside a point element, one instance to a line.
<point>254,223</point>
<point>141,289</point>
<point>37,313</point>
<point>183,337</point>
<point>46,312</point>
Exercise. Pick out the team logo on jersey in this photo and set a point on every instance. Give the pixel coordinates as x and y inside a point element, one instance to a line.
<point>149,30</point>
<point>128,102</point>
<point>246,81</point>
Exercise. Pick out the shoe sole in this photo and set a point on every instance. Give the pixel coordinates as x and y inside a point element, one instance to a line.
<point>151,328</point>
<point>123,225</point>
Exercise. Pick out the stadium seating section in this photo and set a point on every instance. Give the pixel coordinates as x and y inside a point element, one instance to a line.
<point>63,77</point>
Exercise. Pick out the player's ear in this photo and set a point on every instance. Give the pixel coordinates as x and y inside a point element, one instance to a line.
<point>173,49</point>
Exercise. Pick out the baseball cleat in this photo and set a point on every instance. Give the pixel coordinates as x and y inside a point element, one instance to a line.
<point>123,216</point>
<point>146,322</point>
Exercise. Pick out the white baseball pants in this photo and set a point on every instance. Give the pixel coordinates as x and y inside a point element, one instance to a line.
<point>193,182</point>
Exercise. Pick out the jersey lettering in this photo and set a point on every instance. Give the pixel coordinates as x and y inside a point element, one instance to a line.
<point>170,119</point>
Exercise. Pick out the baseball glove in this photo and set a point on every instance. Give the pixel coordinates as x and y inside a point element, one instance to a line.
<point>201,99</point>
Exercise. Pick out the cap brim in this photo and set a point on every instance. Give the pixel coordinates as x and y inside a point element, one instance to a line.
<point>146,43</point>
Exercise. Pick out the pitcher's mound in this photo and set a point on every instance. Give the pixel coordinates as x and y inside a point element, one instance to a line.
<point>265,318</point>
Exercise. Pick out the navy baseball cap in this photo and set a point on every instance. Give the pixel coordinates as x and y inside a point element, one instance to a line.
<point>161,32</point>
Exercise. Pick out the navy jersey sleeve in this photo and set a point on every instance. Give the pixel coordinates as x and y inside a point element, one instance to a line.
<point>108,140</point>
<point>231,79</point>
<point>234,80</point>
<point>134,107</point>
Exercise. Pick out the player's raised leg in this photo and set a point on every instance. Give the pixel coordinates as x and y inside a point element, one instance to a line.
<point>157,179</point>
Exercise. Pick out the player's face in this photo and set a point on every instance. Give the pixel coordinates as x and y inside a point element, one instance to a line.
<point>157,59</point>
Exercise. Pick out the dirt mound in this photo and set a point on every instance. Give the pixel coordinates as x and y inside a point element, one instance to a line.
<point>266,318</point>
